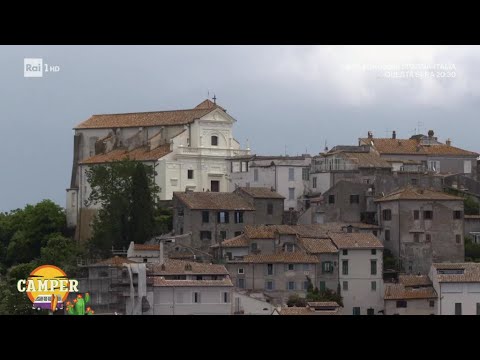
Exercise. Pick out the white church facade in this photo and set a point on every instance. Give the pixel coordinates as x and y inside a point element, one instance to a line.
<point>188,149</point>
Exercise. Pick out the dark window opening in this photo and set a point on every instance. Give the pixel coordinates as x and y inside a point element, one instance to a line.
<point>214,140</point>
<point>387,215</point>
<point>428,215</point>
<point>354,199</point>
<point>331,199</point>
<point>190,174</point>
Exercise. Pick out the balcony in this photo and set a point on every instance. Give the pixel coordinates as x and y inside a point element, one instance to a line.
<point>204,151</point>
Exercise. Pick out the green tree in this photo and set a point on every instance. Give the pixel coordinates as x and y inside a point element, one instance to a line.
<point>127,194</point>
<point>13,302</point>
<point>313,294</point>
<point>62,252</point>
<point>472,250</point>
<point>471,207</point>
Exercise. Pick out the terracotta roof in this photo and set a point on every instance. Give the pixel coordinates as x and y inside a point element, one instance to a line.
<point>281,257</point>
<point>181,267</point>
<point>318,246</point>
<point>213,201</point>
<point>160,281</point>
<point>238,241</point>
<point>471,272</point>
<point>305,311</point>
<point>412,146</point>
<point>356,241</point>
<point>472,217</point>
<point>154,118</point>
<point>260,231</point>
<point>139,154</point>
<point>367,160</point>
<point>414,280</point>
<point>114,261</point>
<point>400,292</point>
<point>146,247</point>
<point>306,230</point>
<point>414,193</point>
<point>261,193</point>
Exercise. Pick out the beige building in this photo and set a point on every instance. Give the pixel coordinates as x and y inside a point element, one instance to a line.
<point>412,295</point>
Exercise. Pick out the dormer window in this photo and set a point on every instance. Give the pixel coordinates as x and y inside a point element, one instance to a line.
<point>214,140</point>
<point>289,247</point>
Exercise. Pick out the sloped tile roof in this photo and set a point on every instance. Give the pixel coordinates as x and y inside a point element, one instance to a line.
<point>213,201</point>
<point>281,257</point>
<point>414,280</point>
<point>471,272</point>
<point>238,241</point>
<point>401,292</point>
<point>261,193</point>
<point>367,160</point>
<point>414,193</point>
<point>139,154</point>
<point>318,246</point>
<point>160,281</point>
<point>356,241</point>
<point>144,119</point>
<point>182,267</point>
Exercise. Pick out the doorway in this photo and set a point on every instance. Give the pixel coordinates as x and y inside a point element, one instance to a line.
<point>215,186</point>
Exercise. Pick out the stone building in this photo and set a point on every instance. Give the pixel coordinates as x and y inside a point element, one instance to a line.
<point>412,295</point>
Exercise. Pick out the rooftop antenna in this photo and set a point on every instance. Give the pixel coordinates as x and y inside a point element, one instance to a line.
<point>387,131</point>
<point>326,147</point>
<point>214,99</point>
<point>419,126</point>
<point>285,149</point>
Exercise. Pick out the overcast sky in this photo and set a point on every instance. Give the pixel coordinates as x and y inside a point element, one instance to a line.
<point>296,97</point>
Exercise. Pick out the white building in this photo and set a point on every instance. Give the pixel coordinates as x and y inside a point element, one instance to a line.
<point>458,288</point>
<point>412,295</point>
<point>360,272</point>
<point>188,149</point>
<point>288,175</point>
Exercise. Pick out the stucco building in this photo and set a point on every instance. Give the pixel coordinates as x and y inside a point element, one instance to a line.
<point>422,226</point>
<point>412,295</point>
<point>187,148</point>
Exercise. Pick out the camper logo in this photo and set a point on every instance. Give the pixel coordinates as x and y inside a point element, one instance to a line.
<point>47,287</point>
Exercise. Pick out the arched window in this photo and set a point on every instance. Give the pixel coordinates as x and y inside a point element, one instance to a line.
<point>214,140</point>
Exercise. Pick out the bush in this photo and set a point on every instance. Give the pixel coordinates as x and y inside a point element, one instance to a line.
<point>296,300</point>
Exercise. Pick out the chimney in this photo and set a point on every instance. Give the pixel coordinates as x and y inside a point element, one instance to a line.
<point>370,135</point>
<point>448,142</point>
<point>394,135</point>
<point>430,134</point>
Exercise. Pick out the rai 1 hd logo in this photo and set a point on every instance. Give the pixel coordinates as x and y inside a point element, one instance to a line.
<point>48,287</point>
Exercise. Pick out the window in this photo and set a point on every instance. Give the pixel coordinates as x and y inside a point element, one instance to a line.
<point>289,247</point>
<point>354,199</point>
<point>416,214</point>
<point>180,211</point>
<point>375,232</point>
<point>374,251</point>
<point>145,260</point>
<point>305,174</point>
<point>414,182</point>
<point>291,193</point>
<point>428,215</point>
<point>253,246</point>
<point>458,239</point>
<point>306,267</point>
<point>457,215</point>
<point>199,277</point>
<point>205,235</point>
<point>373,267</point>
<point>269,285</point>
<point>373,286</point>
<point>291,174</point>
<point>322,286</point>
<point>226,297</point>
<point>366,181</point>
<point>434,165</point>
<point>241,270</point>
<point>237,233</point>
<point>387,235</point>
<point>238,217</point>
<point>401,303</point>
<point>223,217</point>
<point>370,311</point>
<point>387,215</point>
<point>305,285</point>
<point>344,252</point>
<point>205,216</point>
<point>478,308</point>
<point>214,186</point>
<point>223,235</point>
<point>314,182</point>
<point>428,238</point>
<point>269,269</point>
<point>196,297</point>
<point>431,303</point>
<point>344,267</point>
<point>356,310</point>
<point>190,174</point>
<point>291,267</point>
<point>269,209</point>
<point>327,267</point>
<point>229,255</point>
<point>331,199</point>
<point>214,140</point>
<point>416,237</point>
<point>241,283</point>
<point>458,308</point>
<point>255,174</point>
<point>291,285</point>
<point>181,230</point>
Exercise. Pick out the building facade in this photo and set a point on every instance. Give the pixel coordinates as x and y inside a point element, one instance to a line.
<point>412,295</point>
